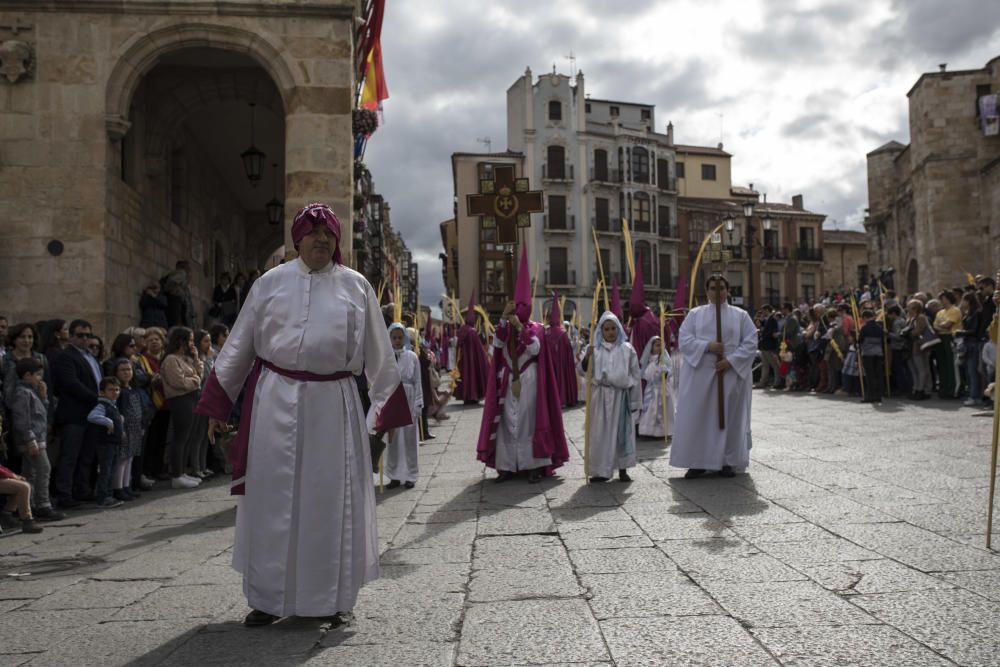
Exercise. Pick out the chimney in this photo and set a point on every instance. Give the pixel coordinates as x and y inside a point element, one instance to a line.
<point>797,202</point>
<point>670,133</point>
<point>720,145</point>
<point>943,66</point>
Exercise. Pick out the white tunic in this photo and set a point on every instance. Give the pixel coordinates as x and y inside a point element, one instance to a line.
<point>515,450</point>
<point>698,440</point>
<point>401,450</point>
<point>305,530</point>
<point>651,420</point>
<point>615,400</point>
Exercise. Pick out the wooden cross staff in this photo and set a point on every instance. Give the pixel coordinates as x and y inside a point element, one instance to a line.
<point>719,258</point>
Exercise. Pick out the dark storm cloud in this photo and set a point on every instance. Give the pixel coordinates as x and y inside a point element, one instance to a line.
<point>923,33</point>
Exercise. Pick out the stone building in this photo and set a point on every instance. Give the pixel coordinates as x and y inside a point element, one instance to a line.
<point>122,132</point>
<point>597,161</point>
<point>934,204</point>
<point>845,259</point>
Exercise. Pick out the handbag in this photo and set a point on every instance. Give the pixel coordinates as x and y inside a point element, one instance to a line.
<point>929,339</point>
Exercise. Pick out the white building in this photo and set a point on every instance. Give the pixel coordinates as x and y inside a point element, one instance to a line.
<point>597,161</point>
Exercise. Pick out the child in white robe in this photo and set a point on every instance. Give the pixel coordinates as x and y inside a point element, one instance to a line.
<point>615,400</point>
<point>655,364</point>
<point>401,450</point>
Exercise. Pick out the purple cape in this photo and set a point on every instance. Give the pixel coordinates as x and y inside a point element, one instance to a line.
<point>548,441</point>
<point>472,365</point>
<point>563,363</point>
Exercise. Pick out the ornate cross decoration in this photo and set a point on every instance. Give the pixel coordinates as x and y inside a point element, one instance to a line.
<point>505,203</point>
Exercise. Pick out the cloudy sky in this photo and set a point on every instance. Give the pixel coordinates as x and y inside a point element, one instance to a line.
<point>798,90</point>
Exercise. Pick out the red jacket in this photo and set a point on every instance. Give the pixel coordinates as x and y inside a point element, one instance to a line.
<point>6,473</point>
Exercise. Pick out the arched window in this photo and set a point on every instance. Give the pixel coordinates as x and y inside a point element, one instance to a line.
<point>640,165</point>
<point>555,162</point>
<point>642,212</point>
<point>555,110</point>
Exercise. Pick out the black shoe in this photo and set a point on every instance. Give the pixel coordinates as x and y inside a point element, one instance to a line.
<point>503,476</point>
<point>595,480</point>
<point>430,437</point>
<point>623,476</point>
<point>693,473</point>
<point>409,485</point>
<point>68,503</point>
<point>393,484</point>
<point>535,476</point>
<point>7,520</point>
<point>48,514</point>
<point>29,526</point>
<point>257,619</point>
<point>727,471</point>
<point>122,495</point>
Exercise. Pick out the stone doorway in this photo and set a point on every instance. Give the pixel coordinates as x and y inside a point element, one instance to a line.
<point>178,188</point>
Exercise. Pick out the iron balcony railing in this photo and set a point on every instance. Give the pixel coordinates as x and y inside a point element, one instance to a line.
<point>806,254</point>
<point>566,223</point>
<point>557,172</point>
<point>557,277</point>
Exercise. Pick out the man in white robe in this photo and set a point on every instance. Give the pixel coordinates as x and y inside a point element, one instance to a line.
<point>699,444</point>
<point>305,527</point>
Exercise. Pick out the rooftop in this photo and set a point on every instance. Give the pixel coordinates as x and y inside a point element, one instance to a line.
<point>844,236</point>
<point>701,150</point>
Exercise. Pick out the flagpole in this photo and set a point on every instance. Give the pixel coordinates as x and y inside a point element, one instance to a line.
<point>590,375</point>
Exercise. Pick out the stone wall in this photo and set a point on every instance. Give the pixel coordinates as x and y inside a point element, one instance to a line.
<point>60,139</point>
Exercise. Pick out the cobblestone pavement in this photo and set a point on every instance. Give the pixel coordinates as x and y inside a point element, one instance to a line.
<point>856,539</point>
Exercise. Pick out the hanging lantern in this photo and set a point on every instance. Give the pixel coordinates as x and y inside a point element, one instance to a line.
<point>253,158</point>
<point>275,207</point>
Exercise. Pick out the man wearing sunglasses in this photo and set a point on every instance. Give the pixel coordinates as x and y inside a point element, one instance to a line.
<point>76,375</point>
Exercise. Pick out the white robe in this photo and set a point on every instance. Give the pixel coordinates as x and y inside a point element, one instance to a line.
<point>401,450</point>
<point>698,441</point>
<point>305,530</point>
<point>515,450</point>
<point>651,419</point>
<point>616,386</point>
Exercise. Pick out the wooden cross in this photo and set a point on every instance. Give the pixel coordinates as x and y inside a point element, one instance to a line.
<point>16,26</point>
<point>505,203</point>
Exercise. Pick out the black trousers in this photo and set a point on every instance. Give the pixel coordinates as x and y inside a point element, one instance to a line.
<point>156,441</point>
<point>71,478</point>
<point>874,378</point>
<point>106,453</point>
<point>185,436</point>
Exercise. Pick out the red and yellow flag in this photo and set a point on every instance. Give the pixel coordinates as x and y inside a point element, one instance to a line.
<point>374,90</point>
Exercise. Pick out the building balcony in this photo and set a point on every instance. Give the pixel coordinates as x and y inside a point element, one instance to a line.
<point>668,282</point>
<point>774,254</point>
<point>667,231</point>
<point>804,254</point>
<point>557,172</point>
<point>667,183</point>
<point>560,278</point>
<point>607,176</point>
<point>605,225</point>
<point>564,224</point>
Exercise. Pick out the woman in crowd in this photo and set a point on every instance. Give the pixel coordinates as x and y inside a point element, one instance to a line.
<point>53,337</point>
<point>917,326</point>
<point>21,345</point>
<point>156,434</point>
<point>198,456</point>
<point>970,347</point>
<point>96,347</point>
<point>181,371</point>
<point>122,347</point>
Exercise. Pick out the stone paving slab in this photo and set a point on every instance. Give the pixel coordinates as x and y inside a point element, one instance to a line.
<point>846,544</point>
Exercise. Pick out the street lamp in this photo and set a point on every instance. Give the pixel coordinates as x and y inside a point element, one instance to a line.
<point>275,207</point>
<point>253,158</point>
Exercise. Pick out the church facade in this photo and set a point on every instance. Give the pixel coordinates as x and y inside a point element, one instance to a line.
<point>138,134</point>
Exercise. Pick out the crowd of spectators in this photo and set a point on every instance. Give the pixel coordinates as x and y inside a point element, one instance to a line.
<point>871,344</point>
<point>85,424</point>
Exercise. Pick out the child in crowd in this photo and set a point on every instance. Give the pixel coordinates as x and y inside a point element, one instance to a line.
<point>851,370</point>
<point>29,422</point>
<point>106,429</point>
<point>136,409</point>
<point>401,452</point>
<point>18,492</point>
<point>615,400</point>
<point>656,368</point>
